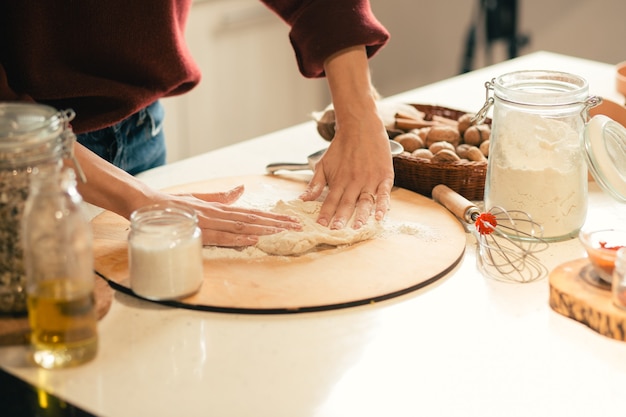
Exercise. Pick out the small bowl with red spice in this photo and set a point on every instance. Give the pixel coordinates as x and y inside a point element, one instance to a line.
<point>602,247</point>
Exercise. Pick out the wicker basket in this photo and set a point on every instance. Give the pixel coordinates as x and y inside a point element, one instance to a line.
<point>419,175</point>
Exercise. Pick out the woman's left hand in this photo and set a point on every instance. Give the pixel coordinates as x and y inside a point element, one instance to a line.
<point>358,169</point>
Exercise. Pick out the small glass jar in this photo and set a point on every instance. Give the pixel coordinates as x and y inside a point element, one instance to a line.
<point>165,252</point>
<point>536,162</point>
<point>618,288</point>
<point>31,136</point>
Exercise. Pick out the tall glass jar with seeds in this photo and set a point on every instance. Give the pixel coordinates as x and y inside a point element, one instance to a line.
<point>31,135</point>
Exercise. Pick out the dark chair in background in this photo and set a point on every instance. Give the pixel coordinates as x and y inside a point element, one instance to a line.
<point>498,21</point>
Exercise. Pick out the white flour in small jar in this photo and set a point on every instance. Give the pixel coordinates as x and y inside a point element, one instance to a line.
<point>539,170</point>
<point>166,269</point>
<point>165,252</point>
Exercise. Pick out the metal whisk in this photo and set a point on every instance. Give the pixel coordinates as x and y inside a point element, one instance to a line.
<point>507,240</point>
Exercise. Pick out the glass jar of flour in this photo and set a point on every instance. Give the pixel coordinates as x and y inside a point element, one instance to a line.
<point>536,161</point>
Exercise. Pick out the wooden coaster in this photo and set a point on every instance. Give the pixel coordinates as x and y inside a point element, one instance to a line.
<point>15,330</point>
<point>575,293</point>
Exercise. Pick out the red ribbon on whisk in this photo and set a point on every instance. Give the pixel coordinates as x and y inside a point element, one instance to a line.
<point>486,223</point>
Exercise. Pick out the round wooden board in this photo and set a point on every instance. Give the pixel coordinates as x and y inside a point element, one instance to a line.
<point>575,295</point>
<point>370,271</point>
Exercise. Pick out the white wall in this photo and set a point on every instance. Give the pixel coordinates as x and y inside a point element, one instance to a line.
<point>592,29</point>
<point>428,38</point>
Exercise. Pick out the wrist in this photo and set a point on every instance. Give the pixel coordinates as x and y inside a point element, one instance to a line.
<point>352,92</point>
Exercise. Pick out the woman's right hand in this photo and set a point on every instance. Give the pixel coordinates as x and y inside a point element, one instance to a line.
<point>225,225</point>
<point>222,224</point>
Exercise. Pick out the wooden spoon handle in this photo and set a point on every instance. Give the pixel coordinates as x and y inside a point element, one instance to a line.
<point>455,202</point>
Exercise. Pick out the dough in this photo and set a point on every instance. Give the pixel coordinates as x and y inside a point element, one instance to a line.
<point>312,234</point>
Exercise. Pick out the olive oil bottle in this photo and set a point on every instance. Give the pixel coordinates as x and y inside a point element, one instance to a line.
<point>58,255</point>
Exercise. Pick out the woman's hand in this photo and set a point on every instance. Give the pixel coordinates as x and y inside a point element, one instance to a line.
<point>357,167</point>
<point>226,225</point>
<point>113,189</point>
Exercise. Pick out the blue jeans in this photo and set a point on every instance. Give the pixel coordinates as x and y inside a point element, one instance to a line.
<point>135,144</point>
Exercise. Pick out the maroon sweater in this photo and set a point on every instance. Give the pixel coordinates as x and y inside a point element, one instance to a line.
<point>108,59</point>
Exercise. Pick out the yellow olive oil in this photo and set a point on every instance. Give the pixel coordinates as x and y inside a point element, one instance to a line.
<point>63,323</point>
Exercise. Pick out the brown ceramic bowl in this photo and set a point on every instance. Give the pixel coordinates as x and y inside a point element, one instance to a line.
<point>611,109</point>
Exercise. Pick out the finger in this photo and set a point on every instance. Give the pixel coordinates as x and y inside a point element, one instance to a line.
<point>315,187</point>
<point>243,214</point>
<point>235,234</point>
<point>344,209</point>
<point>226,239</point>
<point>364,205</point>
<point>250,223</point>
<point>328,211</point>
<point>238,232</point>
<point>383,200</point>
<point>314,190</point>
<point>225,197</point>
<point>235,228</point>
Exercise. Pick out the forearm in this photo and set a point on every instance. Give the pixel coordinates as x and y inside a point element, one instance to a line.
<point>349,81</point>
<point>108,186</point>
<point>357,167</point>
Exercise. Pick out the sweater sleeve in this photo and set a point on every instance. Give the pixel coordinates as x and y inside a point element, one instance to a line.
<point>6,93</point>
<point>320,28</point>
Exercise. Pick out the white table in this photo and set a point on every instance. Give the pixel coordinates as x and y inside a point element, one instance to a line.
<point>466,346</point>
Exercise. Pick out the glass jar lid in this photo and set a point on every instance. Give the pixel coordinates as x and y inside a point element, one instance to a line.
<point>605,152</point>
<point>541,88</point>
<point>164,220</point>
<point>32,133</point>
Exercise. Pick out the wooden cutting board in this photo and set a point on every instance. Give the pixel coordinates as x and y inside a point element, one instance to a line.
<point>391,265</point>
